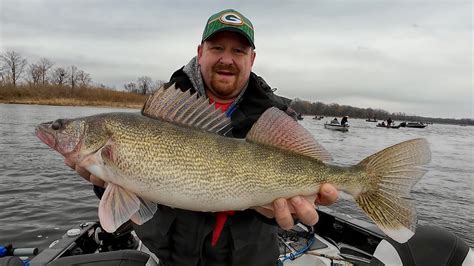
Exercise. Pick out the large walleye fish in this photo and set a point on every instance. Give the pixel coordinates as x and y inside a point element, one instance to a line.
<point>173,153</point>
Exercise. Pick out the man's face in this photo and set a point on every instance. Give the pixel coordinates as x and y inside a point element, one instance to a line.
<point>226,61</point>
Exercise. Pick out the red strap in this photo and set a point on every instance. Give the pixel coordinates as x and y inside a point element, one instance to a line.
<point>221,218</point>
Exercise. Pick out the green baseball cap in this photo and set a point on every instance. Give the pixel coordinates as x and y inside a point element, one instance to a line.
<point>229,20</point>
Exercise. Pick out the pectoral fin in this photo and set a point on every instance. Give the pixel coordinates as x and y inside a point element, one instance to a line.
<point>116,207</point>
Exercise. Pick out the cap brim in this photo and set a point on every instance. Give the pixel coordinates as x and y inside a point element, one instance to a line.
<point>233,29</point>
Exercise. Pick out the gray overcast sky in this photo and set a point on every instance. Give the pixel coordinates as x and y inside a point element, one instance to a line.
<point>397,55</point>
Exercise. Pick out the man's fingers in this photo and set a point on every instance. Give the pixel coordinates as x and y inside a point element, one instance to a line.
<point>327,195</point>
<point>305,210</point>
<point>283,214</point>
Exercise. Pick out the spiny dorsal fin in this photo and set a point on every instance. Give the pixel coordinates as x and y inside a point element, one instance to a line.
<point>277,129</point>
<point>183,108</point>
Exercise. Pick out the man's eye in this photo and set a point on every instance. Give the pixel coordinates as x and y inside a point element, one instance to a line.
<point>216,48</point>
<point>240,51</point>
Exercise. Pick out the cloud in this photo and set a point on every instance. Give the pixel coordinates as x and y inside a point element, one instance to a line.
<point>402,56</point>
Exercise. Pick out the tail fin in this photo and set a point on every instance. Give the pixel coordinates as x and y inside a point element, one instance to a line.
<point>395,169</point>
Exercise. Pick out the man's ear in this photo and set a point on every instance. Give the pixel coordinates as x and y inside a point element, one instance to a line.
<point>199,51</point>
<point>254,54</point>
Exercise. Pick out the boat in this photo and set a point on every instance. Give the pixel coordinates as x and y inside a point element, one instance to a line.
<point>300,116</point>
<point>413,124</point>
<point>318,117</point>
<point>337,127</point>
<point>371,120</point>
<point>337,239</point>
<point>391,126</point>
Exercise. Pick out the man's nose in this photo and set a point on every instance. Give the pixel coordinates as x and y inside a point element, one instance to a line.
<point>226,58</point>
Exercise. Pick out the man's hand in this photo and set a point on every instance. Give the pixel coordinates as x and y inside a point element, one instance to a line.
<point>85,174</point>
<point>304,210</point>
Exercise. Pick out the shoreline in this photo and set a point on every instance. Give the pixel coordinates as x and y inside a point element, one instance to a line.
<point>121,104</point>
<point>72,102</point>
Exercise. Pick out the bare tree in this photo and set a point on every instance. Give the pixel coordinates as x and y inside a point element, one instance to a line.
<point>13,66</point>
<point>45,65</point>
<point>131,87</point>
<point>158,84</point>
<point>83,78</point>
<point>72,78</point>
<point>59,76</point>
<point>34,73</point>
<point>144,84</point>
<point>3,78</point>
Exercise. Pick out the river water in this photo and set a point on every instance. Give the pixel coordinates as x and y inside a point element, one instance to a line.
<point>40,197</point>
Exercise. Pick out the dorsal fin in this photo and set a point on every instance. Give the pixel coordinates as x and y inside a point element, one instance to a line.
<point>184,108</point>
<point>277,129</point>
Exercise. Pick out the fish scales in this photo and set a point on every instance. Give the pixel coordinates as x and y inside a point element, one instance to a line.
<point>175,157</point>
<point>171,159</point>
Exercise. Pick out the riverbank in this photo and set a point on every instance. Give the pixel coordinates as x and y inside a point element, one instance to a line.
<point>66,96</point>
<point>73,102</point>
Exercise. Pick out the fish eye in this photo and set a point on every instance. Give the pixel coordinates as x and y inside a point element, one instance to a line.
<point>57,124</point>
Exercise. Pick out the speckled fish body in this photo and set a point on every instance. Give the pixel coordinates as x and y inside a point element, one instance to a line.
<point>176,159</point>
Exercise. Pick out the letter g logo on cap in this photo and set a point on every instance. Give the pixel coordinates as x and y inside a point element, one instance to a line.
<point>231,19</point>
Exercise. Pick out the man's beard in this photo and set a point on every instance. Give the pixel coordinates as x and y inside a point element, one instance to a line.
<point>221,87</point>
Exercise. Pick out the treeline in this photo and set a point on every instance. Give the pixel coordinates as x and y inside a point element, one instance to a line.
<point>15,70</point>
<point>44,80</point>
<point>336,110</point>
<point>144,85</point>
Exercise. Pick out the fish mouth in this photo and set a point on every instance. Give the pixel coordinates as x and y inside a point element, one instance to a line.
<point>44,133</point>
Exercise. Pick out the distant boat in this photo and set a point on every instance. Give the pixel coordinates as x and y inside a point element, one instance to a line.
<point>300,116</point>
<point>391,126</point>
<point>413,124</point>
<point>371,120</point>
<point>337,127</point>
<point>318,117</point>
